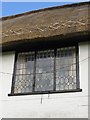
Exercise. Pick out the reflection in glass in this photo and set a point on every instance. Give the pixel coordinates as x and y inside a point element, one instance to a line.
<point>44,70</point>
<point>24,72</point>
<point>65,68</point>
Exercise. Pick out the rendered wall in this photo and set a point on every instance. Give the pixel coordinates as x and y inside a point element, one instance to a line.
<point>60,105</point>
<point>89,81</point>
<point>0,83</point>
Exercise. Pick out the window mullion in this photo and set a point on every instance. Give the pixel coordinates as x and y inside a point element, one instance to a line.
<point>34,72</point>
<point>77,68</point>
<point>54,84</point>
<point>13,79</point>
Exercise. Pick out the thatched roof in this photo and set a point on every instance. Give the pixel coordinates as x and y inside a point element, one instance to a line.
<point>59,21</point>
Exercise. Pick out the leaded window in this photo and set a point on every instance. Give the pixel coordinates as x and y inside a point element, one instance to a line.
<point>46,70</point>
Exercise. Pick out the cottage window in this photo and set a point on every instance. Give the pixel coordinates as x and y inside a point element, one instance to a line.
<point>46,71</point>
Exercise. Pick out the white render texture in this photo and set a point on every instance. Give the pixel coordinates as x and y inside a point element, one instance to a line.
<point>60,105</point>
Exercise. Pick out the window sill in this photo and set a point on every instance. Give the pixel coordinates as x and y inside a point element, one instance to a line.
<point>45,92</point>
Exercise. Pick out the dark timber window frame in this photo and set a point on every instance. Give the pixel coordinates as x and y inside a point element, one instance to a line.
<point>54,89</point>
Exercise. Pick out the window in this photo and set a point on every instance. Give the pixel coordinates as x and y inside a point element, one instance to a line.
<point>52,70</point>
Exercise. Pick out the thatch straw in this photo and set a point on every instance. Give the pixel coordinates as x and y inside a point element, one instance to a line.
<point>61,20</point>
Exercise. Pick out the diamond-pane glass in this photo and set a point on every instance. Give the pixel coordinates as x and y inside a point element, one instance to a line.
<point>44,70</point>
<point>24,72</point>
<point>47,70</point>
<point>66,68</point>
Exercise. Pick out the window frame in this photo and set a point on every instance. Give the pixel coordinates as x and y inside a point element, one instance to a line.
<point>54,90</point>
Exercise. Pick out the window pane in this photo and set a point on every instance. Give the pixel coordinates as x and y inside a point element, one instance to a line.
<point>44,70</point>
<point>24,72</point>
<point>44,82</point>
<point>24,84</point>
<point>66,68</point>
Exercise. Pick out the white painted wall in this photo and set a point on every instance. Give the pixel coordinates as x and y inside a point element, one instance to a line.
<point>61,105</point>
<point>89,81</point>
<point>0,84</point>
